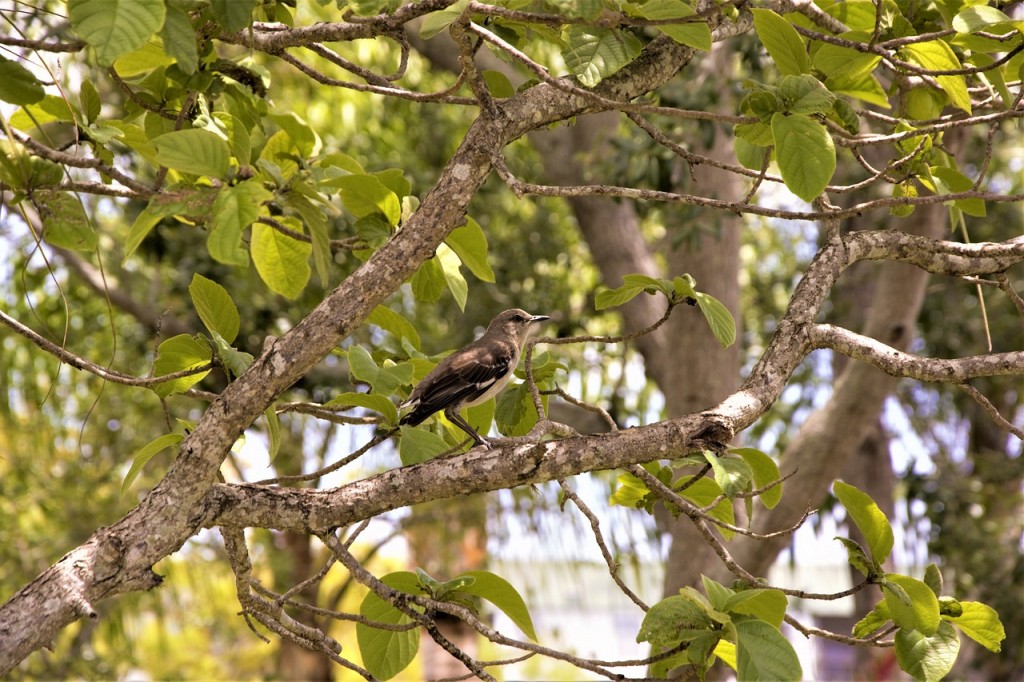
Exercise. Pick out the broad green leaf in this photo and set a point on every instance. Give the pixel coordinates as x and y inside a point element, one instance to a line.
<point>300,132</point>
<point>732,475</point>
<point>233,15</point>
<point>923,611</point>
<point>383,380</point>
<point>498,84</point>
<point>179,353</point>
<point>143,456</point>
<point>869,519</point>
<point>428,282</point>
<point>805,154</point>
<point>978,18</point>
<point>514,413</point>
<point>836,60</point>
<point>215,308</point>
<point>928,658</point>
<point>89,97</point>
<point>765,471</point>
<point>435,22</point>
<point>611,298</point>
<point>283,262</point>
<point>392,322</point>
<point>234,360</point>
<point>470,243</point>
<point>782,41</point>
<point>718,594</point>
<point>371,401</point>
<point>160,206</point>
<point>180,39</point>
<point>49,108</point>
<point>235,209</point>
<point>366,194</point>
<point>767,605</point>
<point>936,55</point>
<point>718,317</point>
<point>877,618</point>
<point>749,155</point>
<point>696,34</point>
<point>503,595</point>
<point>763,653</point>
<point>313,218</point>
<point>148,58</point>
<point>386,653</point>
<point>804,94</point>
<point>702,492</point>
<point>594,53</point>
<point>115,27</point>
<point>981,623</point>
<point>18,85</point>
<point>950,180</point>
<point>726,651</point>
<point>419,445</point>
<point>903,190</point>
<point>193,151</point>
<point>673,620</point>
<point>861,86</point>
<point>450,264</point>
<point>65,222</point>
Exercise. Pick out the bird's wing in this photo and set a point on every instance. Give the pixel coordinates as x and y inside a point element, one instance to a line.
<point>461,377</point>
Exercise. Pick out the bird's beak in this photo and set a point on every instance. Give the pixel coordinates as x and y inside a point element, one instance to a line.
<point>539,318</point>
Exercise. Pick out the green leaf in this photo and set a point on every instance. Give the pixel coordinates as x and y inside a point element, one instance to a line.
<point>180,40</point>
<point>978,18</point>
<point>283,262</point>
<point>928,658</point>
<point>65,223</point>
<point>804,94</point>
<point>371,401</point>
<point>504,596</point>
<point>594,53</point>
<point>313,218</point>
<point>470,243</point>
<point>235,209</point>
<point>702,492</point>
<point>419,445</point>
<point>215,308</point>
<point>428,282</point>
<point>435,22</point>
<point>450,264</point>
<point>981,623</point>
<point>835,60</point>
<point>92,105</point>
<point>233,359</point>
<point>386,653</point>
<point>718,317</point>
<point>148,58</point>
<point>877,618</point>
<point>933,579</point>
<point>805,154</point>
<point>383,380</point>
<point>392,322</point>
<point>273,432</point>
<point>143,456</point>
<point>49,108</point>
<point>115,27</point>
<point>718,594</point>
<point>861,86</point>
<point>18,85</point>
<point>765,471</point>
<point>868,518</point>
<point>233,15</point>
<point>767,605</point>
<point>749,155</point>
<point>514,412</point>
<point>366,194</point>
<point>179,353</point>
<point>498,84</point>
<point>782,41</point>
<point>673,620</point>
<point>193,151</point>
<point>300,132</point>
<point>696,34</point>
<point>923,611</point>
<point>858,558</point>
<point>936,55</point>
<point>950,180</point>
<point>763,653</point>
<point>157,209</point>
<point>732,475</point>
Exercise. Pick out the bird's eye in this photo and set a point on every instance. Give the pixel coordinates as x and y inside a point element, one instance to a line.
<point>518,318</point>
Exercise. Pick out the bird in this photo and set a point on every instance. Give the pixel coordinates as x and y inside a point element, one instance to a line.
<point>474,373</point>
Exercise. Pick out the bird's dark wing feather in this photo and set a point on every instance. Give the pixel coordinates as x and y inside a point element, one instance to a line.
<point>461,377</point>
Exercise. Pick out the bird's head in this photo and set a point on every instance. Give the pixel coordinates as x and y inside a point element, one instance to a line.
<point>516,323</point>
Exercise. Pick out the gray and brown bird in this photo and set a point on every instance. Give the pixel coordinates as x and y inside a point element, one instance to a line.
<point>474,373</point>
